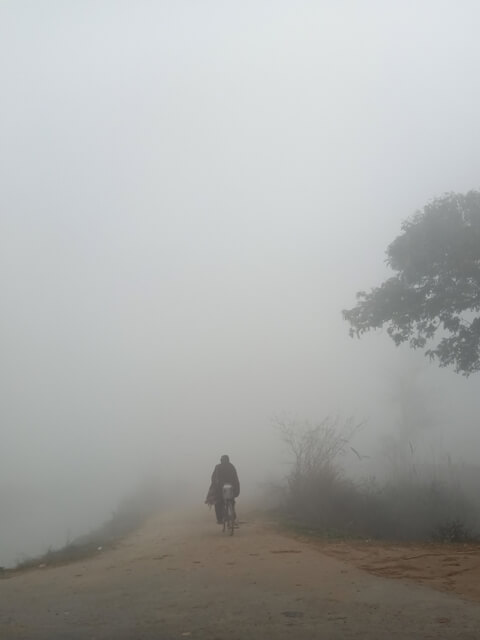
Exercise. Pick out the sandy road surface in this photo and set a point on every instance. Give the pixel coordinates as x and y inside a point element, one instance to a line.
<point>180,578</point>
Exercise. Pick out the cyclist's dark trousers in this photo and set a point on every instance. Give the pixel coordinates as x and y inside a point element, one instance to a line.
<point>219,510</point>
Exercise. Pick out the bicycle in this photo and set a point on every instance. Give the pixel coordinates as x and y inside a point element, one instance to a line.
<point>228,512</point>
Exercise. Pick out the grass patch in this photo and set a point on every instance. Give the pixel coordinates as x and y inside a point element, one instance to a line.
<point>127,518</point>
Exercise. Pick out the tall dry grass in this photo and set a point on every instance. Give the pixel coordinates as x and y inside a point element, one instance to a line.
<point>430,504</point>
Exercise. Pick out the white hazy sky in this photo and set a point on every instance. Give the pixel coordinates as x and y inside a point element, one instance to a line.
<point>190,194</point>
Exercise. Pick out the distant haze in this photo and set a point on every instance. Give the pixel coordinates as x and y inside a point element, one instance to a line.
<point>190,194</point>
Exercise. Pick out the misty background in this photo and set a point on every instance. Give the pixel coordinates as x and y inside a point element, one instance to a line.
<point>190,194</point>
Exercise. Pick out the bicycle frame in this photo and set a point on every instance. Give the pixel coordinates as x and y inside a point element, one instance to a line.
<point>229,515</point>
<point>228,508</point>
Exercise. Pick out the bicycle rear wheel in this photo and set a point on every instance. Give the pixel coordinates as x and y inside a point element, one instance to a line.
<point>230,517</point>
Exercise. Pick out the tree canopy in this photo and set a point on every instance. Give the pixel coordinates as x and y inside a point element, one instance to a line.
<point>436,289</point>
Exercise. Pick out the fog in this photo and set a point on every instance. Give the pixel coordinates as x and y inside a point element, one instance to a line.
<point>190,195</point>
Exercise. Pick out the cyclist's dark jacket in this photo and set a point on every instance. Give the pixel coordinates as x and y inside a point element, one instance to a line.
<point>225,473</point>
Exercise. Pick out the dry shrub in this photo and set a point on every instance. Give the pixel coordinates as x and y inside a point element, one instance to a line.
<point>319,494</point>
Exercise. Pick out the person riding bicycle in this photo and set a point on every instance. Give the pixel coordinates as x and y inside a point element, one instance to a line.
<point>224,473</point>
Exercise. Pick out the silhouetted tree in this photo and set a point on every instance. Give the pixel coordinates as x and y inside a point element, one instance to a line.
<point>436,287</point>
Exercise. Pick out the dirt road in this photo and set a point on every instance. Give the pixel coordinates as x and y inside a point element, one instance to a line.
<point>180,578</point>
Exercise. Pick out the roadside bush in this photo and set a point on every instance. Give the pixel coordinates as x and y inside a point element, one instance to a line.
<point>319,495</point>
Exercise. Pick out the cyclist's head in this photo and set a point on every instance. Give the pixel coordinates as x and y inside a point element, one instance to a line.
<point>224,459</point>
